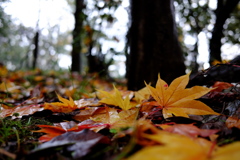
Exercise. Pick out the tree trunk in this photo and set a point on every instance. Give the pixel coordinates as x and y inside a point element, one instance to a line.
<point>35,51</point>
<point>76,44</point>
<point>154,46</point>
<point>223,11</point>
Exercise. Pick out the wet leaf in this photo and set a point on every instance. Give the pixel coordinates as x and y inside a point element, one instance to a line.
<point>19,111</point>
<point>79,143</point>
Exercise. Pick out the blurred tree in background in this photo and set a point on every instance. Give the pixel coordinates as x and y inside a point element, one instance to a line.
<point>77,31</point>
<point>154,45</point>
<point>17,44</point>
<point>222,13</point>
<point>91,19</point>
<point>194,19</point>
<point>102,17</point>
<point>218,21</point>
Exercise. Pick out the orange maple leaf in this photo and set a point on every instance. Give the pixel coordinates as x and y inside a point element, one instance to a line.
<point>178,101</point>
<point>63,106</point>
<point>233,122</point>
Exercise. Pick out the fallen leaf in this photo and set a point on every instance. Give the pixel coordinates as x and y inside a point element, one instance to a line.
<point>142,94</point>
<point>64,106</point>
<point>79,144</point>
<point>86,113</point>
<point>116,99</point>
<point>233,122</point>
<point>230,151</point>
<point>87,102</point>
<point>116,120</point>
<point>53,131</point>
<point>178,101</point>
<point>28,107</point>
<point>221,86</point>
<point>3,71</point>
<point>173,146</point>
<point>188,130</point>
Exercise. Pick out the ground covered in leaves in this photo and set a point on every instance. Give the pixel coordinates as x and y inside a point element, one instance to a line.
<point>60,115</point>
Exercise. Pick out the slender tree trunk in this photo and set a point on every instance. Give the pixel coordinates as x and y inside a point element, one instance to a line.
<point>76,44</point>
<point>35,51</point>
<point>154,46</point>
<point>223,11</point>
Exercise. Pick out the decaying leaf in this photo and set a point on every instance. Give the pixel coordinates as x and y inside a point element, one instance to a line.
<point>178,101</point>
<point>116,99</point>
<point>63,106</point>
<point>188,130</point>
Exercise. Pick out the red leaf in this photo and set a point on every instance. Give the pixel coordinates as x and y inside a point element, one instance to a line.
<point>53,131</point>
<point>221,86</point>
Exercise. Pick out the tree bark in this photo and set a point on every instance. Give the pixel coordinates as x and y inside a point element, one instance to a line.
<point>223,11</point>
<point>153,41</point>
<point>76,44</point>
<point>35,51</point>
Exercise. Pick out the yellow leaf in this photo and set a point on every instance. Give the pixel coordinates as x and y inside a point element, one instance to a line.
<point>127,118</point>
<point>116,120</point>
<point>3,71</point>
<point>116,99</point>
<point>9,87</point>
<point>230,151</point>
<point>142,94</point>
<point>173,146</point>
<point>63,106</point>
<point>178,101</point>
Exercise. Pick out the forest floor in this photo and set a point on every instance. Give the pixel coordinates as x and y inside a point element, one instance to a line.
<point>60,115</point>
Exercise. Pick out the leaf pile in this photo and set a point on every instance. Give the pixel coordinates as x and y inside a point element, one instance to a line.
<point>85,118</point>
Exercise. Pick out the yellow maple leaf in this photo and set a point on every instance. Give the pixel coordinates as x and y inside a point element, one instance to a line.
<point>178,101</point>
<point>142,94</point>
<point>116,99</point>
<point>116,120</point>
<point>180,147</point>
<point>63,106</point>
<point>174,146</point>
<point>230,151</point>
